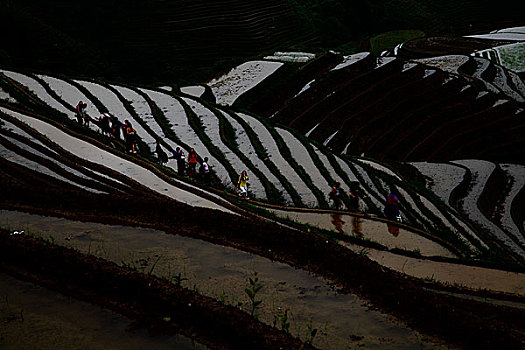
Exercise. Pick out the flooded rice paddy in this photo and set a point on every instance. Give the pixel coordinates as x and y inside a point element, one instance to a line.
<point>386,234</point>
<point>32,317</point>
<point>396,237</point>
<point>343,320</point>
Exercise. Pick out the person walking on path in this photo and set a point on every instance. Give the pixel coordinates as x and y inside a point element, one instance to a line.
<point>103,122</point>
<point>204,170</point>
<point>392,207</point>
<point>116,126</point>
<point>130,137</point>
<point>242,184</point>
<point>192,163</point>
<point>181,163</point>
<point>353,196</point>
<point>87,119</point>
<point>336,195</point>
<point>162,156</point>
<point>81,112</point>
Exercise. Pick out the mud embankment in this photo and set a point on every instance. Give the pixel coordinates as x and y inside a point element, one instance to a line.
<point>155,304</point>
<point>459,321</point>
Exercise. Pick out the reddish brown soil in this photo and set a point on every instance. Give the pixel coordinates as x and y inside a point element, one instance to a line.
<point>463,322</point>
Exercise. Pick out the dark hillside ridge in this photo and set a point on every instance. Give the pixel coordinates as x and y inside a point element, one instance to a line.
<point>155,41</point>
<point>152,41</point>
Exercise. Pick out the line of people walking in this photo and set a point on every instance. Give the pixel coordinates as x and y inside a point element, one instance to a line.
<point>113,127</point>
<point>336,195</point>
<point>188,166</point>
<point>110,126</point>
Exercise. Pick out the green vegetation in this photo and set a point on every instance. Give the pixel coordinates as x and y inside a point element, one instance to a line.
<point>251,291</point>
<point>283,318</point>
<point>311,332</point>
<point>513,57</point>
<point>178,279</point>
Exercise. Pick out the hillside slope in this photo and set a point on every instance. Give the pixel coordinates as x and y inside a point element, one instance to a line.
<point>179,41</point>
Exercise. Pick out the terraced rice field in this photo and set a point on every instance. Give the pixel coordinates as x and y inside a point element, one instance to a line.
<point>461,199</point>
<point>308,183</point>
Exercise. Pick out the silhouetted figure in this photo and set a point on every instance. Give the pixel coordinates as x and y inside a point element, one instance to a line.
<point>181,162</point>
<point>392,207</point>
<point>353,196</point>
<point>163,157</point>
<point>204,170</point>
<point>103,122</point>
<point>81,112</point>
<point>130,137</point>
<point>336,194</point>
<point>116,126</point>
<point>87,119</point>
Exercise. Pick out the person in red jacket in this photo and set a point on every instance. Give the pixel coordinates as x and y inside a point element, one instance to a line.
<point>192,163</point>
<point>392,207</point>
<point>81,112</point>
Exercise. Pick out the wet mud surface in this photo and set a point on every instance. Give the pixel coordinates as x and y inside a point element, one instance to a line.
<point>35,317</point>
<point>458,322</point>
<point>155,304</point>
<point>450,273</point>
<point>222,273</point>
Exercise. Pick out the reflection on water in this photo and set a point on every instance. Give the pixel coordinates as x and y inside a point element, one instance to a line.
<point>393,229</point>
<point>338,222</point>
<point>356,226</point>
<point>391,235</point>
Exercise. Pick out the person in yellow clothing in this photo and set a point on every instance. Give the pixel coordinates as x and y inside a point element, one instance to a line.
<point>242,184</point>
